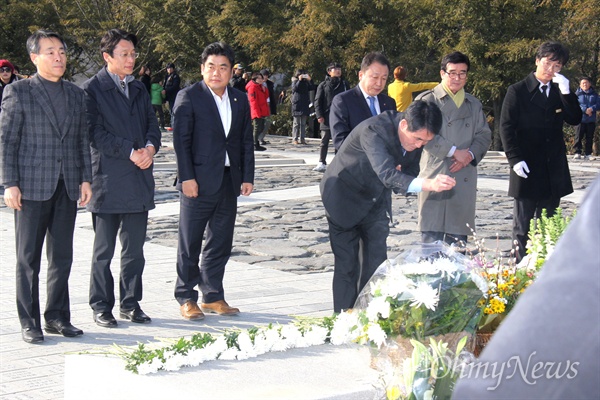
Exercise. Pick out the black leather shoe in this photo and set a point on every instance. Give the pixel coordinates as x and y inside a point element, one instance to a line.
<point>32,335</point>
<point>63,328</point>
<point>105,319</point>
<point>136,315</point>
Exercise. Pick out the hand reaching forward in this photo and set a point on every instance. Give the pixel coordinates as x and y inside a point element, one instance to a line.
<point>439,184</point>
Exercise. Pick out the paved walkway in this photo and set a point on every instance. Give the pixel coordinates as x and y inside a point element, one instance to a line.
<point>281,264</point>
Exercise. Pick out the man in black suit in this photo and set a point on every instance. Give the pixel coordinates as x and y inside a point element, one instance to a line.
<point>365,100</point>
<point>380,155</point>
<point>215,164</point>
<point>531,128</point>
<point>45,161</point>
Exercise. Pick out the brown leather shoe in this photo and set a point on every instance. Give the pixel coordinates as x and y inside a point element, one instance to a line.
<point>191,311</point>
<point>219,307</point>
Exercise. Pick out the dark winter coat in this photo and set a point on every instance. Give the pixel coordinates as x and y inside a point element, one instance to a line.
<point>325,93</point>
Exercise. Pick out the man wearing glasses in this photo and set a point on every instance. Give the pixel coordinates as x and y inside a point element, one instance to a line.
<point>462,143</point>
<point>45,168</point>
<point>531,123</point>
<point>124,137</point>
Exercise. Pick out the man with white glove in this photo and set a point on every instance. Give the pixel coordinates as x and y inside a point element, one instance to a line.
<point>562,82</point>
<point>531,124</point>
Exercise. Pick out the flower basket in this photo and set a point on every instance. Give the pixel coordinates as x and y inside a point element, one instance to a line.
<point>417,313</point>
<point>478,342</point>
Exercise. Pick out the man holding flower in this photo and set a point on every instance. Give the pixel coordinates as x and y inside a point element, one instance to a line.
<point>380,155</point>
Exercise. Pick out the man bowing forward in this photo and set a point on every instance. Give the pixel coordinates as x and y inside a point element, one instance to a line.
<point>212,136</point>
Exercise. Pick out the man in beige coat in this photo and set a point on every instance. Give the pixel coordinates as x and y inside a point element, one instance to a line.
<point>462,143</point>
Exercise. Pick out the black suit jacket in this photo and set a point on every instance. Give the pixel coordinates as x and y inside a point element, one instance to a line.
<point>348,109</point>
<point>531,128</point>
<point>200,141</point>
<point>365,169</point>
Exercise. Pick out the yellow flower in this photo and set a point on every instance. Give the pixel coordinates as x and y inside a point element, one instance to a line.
<point>497,306</point>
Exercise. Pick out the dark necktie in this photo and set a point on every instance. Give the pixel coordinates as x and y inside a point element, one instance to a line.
<point>122,85</point>
<point>372,105</point>
<point>544,87</point>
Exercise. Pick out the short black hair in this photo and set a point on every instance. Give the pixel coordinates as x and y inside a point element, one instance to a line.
<point>33,42</point>
<point>554,51</point>
<point>455,58</point>
<point>333,65</point>
<point>218,49</point>
<point>374,57</point>
<point>256,74</point>
<point>423,114</point>
<point>266,72</point>
<point>111,39</point>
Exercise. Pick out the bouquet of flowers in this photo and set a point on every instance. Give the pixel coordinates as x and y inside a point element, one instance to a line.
<point>506,279</point>
<point>416,310</point>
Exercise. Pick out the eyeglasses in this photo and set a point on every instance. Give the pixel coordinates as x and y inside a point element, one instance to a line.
<point>5,69</point>
<point>454,75</point>
<point>553,66</point>
<point>130,55</point>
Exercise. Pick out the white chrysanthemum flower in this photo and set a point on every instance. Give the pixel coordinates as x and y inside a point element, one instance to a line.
<point>291,335</point>
<point>217,347</point>
<point>376,334</point>
<point>260,343</point>
<point>424,294</point>
<point>422,268</point>
<point>198,356</point>
<point>480,281</point>
<point>150,368</point>
<point>245,344</point>
<point>345,329</point>
<point>175,362</point>
<point>448,267</point>
<point>395,284</point>
<point>229,354</point>
<point>315,336</point>
<point>378,306</point>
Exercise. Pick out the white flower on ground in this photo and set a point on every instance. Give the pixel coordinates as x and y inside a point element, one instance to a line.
<point>424,294</point>
<point>315,336</point>
<point>291,335</point>
<point>175,362</point>
<point>378,306</point>
<point>149,368</point>
<point>376,334</point>
<point>246,347</point>
<point>345,329</point>
<point>229,354</point>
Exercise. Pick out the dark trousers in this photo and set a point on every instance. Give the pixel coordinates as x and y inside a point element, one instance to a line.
<point>523,212</point>
<point>132,235</point>
<point>161,115</point>
<point>358,252</point>
<point>216,214</point>
<point>258,126</point>
<point>324,147</point>
<point>53,219</point>
<point>584,131</point>
<point>449,238</point>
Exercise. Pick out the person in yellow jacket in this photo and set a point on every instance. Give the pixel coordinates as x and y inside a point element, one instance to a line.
<point>402,91</point>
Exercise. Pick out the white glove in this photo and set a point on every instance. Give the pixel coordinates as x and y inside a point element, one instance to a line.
<point>521,168</point>
<point>563,83</point>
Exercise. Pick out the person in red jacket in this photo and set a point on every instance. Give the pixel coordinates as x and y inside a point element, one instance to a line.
<point>259,108</point>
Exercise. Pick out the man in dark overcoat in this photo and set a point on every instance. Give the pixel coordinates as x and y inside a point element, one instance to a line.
<point>531,128</point>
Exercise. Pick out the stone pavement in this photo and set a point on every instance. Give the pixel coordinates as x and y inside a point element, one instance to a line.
<point>281,263</point>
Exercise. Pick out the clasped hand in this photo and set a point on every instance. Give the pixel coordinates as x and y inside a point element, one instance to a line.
<point>460,159</point>
<point>143,158</point>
